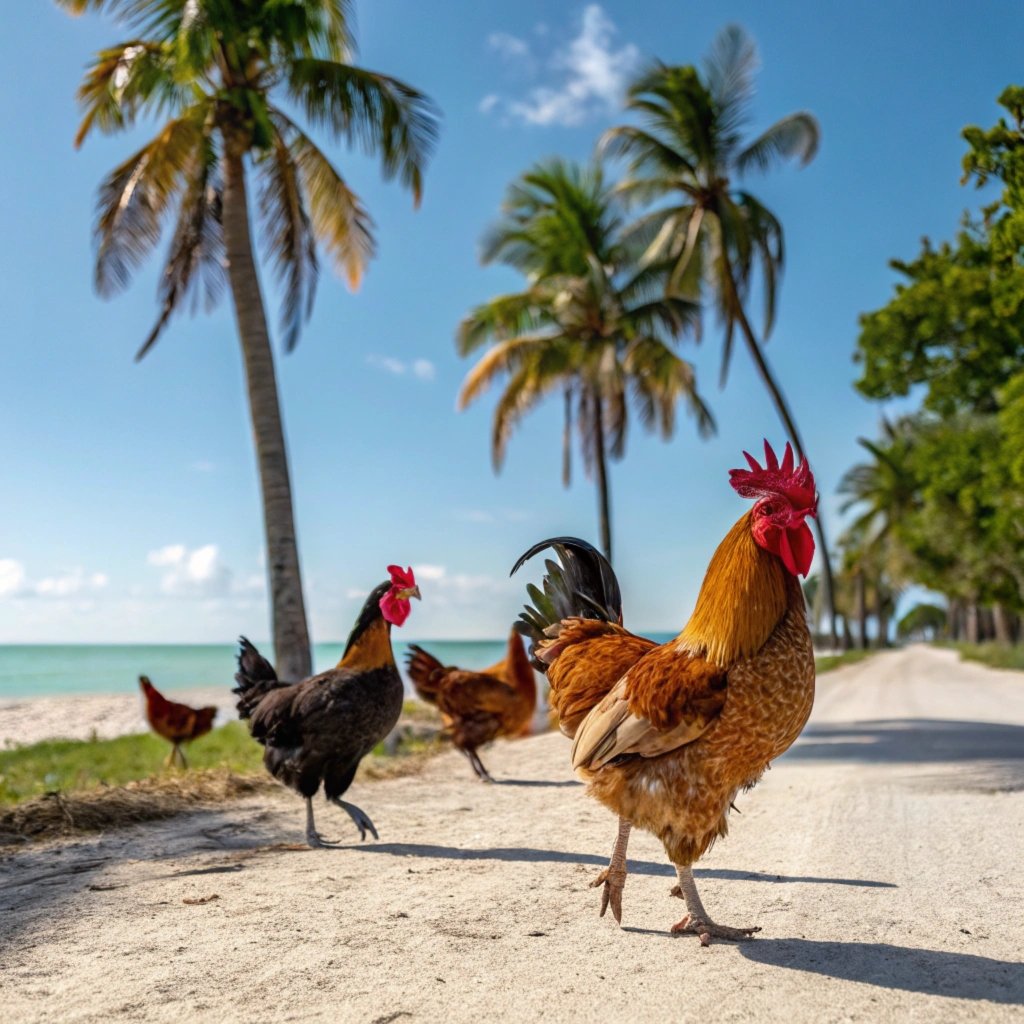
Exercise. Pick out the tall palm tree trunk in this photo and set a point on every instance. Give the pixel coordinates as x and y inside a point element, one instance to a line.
<point>861,610</point>
<point>601,467</point>
<point>288,612</point>
<point>787,421</point>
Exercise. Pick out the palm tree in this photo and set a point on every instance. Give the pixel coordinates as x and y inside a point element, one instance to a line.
<point>591,324</point>
<point>226,74</point>
<point>686,155</point>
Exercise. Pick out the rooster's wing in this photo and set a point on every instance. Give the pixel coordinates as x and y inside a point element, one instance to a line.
<point>664,701</point>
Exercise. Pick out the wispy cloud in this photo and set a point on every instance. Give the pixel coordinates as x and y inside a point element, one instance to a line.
<point>588,74</point>
<point>199,572</point>
<point>508,45</point>
<point>15,582</point>
<point>423,369</point>
<point>202,466</point>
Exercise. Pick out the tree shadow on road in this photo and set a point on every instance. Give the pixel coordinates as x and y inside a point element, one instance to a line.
<point>531,855</point>
<point>989,756</point>
<point>928,971</point>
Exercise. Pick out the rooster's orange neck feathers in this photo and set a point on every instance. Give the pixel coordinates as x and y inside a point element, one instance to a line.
<point>745,593</point>
<point>371,649</point>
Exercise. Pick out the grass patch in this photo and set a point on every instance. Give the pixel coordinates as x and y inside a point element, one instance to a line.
<point>992,654</point>
<point>63,787</point>
<point>832,661</point>
<point>70,766</point>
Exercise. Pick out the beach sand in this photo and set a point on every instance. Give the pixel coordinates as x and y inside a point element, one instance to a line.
<point>30,719</point>
<point>881,856</point>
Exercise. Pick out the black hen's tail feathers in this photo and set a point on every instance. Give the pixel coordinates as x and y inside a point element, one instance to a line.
<point>255,678</point>
<point>583,586</point>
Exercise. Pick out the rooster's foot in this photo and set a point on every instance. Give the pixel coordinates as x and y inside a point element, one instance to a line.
<point>359,816</point>
<point>697,922</point>
<point>614,881</point>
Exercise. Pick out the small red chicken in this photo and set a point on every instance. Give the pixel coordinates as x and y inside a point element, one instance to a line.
<point>667,735</point>
<point>478,707</point>
<point>176,723</point>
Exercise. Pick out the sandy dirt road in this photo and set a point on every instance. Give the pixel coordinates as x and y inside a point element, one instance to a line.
<point>882,857</point>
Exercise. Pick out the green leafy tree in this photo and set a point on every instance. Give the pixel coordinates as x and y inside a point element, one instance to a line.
<point>593,325</point>
<point>225,77</point>
<point>686,156</point>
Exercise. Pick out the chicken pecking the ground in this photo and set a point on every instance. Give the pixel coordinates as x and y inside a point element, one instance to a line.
<point>176,723</point>
<point>667,735</point>
<point>478,707</point>
<point>318,730</point>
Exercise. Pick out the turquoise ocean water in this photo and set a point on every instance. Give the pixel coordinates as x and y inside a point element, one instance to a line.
<point>56,670</point>
<point>36,670</point>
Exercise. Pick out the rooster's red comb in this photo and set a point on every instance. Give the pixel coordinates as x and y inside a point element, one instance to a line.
<point>402,578</point>
<point>795,484</point>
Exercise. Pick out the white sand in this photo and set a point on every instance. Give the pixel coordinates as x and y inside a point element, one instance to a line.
<point>882,856</point>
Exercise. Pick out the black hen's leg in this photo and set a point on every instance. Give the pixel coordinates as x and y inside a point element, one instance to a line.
<point>312,836</point>
<point>359,816</point>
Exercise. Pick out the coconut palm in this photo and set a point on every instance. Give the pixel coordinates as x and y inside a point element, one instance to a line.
<point>226,77</point>
<point>591,324</point>
<point>685,156</point>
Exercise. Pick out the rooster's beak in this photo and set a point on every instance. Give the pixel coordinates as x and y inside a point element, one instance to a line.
<point>409,592</point>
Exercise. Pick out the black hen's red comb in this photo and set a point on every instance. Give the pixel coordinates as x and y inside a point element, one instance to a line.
<point>775,479</point>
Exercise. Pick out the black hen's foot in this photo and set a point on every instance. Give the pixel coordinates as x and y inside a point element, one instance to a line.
<point>317,841</point>
<point>359,816</point>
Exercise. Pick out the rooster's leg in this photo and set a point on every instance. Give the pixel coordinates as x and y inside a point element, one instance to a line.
<point>697,921</point>
<point>181,755</point>
<point>312,836</point>
<point>614,876</point>
<point>359,816</point>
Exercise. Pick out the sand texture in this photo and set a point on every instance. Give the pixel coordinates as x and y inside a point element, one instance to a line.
<point>882,856</point>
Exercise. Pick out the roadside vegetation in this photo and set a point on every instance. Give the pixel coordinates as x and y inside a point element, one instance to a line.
<point>993,655</point>
<point>939,500</point>
<point>828,662</point>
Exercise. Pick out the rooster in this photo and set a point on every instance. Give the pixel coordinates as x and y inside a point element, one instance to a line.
<point>318,730</point>
<point>667,735</point>
<point>478,706</point>
<point>176,723</point>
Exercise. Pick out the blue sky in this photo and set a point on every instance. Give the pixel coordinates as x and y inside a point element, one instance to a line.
<point>130,504</point>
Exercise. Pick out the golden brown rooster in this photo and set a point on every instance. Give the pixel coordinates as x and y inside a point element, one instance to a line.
<point>478,707</point>
<point>176,723</point>
<point>318,730</point>
<point>667,735</point>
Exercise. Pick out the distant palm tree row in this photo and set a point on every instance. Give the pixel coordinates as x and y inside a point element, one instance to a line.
<point>608,301</point>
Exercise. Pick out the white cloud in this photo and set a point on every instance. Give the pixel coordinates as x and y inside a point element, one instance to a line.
<point>508,45</point>
<point>12,577</point>
<point>14,582</point>
<point>199,572</point>
<point>428,572</point>
<point>355,593</point>
<point>423,369</point>
<point>488,103</point>
<point>203,466</point>
<point>591,76</point>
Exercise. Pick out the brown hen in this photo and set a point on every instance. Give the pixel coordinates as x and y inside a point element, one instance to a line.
<point>478,707</point>
<point>176,723</point>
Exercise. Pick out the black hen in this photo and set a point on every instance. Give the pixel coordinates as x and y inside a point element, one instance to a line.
<point>318,730</point>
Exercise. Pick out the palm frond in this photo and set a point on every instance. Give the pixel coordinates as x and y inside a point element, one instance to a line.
<point>128,79</point>
<point>386,117</point>
<point>135,195</point>
<point>729,70</point>
<point>502,317</point>
<point>289,236</point>
<point>796,136</point>
<point>195,259</point>
<point>507,357</point>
